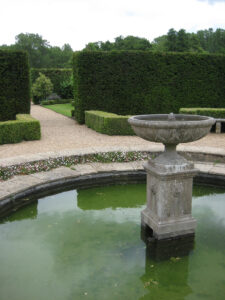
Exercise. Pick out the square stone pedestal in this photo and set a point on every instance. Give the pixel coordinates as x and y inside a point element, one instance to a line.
<point>169,200</point>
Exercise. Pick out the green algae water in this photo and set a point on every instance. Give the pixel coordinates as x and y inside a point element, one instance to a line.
<point>87,245</point>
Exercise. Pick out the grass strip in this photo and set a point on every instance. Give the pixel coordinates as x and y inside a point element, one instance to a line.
<point>63,109</point>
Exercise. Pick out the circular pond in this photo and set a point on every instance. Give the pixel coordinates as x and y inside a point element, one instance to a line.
<point>86,244</point>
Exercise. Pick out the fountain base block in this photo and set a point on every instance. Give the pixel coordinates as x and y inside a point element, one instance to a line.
<point>165,230</point>
<point>169,199</point>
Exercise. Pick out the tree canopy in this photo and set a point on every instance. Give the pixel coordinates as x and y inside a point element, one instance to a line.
<point>207,41</point>
<point>204,41</point>
<point>43,55</point>
<point>128,43</point>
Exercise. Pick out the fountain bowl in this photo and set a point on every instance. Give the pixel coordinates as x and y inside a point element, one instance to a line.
<point>171,128</point>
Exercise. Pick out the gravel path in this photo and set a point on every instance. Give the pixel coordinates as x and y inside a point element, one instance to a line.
<point>62,133</point>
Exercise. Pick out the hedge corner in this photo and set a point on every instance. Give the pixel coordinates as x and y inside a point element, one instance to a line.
<point>23,128</point>
<point>108,123</point>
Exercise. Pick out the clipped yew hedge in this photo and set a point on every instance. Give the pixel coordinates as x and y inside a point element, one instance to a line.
<point>14,84</point>
<point>23,128</point>
<point>217,113</point>
<point>56,75</point>
<point>108,123</point>
<point>140,82</point>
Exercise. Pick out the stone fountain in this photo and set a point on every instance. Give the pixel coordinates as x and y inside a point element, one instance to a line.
<point>170,176</point>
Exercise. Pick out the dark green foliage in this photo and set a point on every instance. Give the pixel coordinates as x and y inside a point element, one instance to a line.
<point>57,77</point>
<point>66,88</point>
<point>57,101</point>
<point>14,84</point>
<point>207,41</point>
<point>141,82</point>
<point>23,128</point>
<point>121,43</point>
<point>53,96</point>
<point>42,87</point>
<point>177,41</point>
<point>171,40</point>
<point>107,123</point>
<point>212,41</point>
<point>218,113</point>
<point>41,54</point>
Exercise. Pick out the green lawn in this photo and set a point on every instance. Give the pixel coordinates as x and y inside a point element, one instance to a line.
<point>64,109</point>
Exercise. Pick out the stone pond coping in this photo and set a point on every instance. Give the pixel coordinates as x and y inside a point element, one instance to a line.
<point>15,189</point>
<point>209,161</point>
<point>211,154</point>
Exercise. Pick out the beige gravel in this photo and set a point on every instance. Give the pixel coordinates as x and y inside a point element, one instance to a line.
<point>63,133</point>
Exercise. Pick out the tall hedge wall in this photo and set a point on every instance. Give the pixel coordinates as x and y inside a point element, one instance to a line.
<point>14,84</point>
<point>138,82</point>
<point>57,76</point>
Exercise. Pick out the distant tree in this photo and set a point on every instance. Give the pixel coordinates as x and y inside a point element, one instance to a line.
<point>206,38</point>
<point>182,41</point>
<point>67,52</point>
<point>219,41</point>
<point>121,43</point>
<point>194,43</point>
<point>159,43</point>
<point>41,53</point>
<point>107,46</point>
<point>41,88</point>
<point>204,41</point>
<point>92,47</point>
<point>132,43</point>
<point>36,47</point>
<point>171,41</point>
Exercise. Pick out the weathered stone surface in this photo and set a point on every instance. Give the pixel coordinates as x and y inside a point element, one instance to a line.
<point>170,176</point>
<point>84,169</point>
<point>62,172</point>
<point>169,201</point>
<point>110,167</point>
<point>171,129</point>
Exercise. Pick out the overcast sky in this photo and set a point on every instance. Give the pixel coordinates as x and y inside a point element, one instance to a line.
<point>79,22</point>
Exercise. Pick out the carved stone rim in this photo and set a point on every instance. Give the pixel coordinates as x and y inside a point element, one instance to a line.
<point>161,121</point>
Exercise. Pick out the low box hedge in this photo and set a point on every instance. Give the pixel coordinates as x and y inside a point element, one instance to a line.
<point>59,101</point>
<point>108,123</point>
<point>23,128</point>
<point>217,113</point>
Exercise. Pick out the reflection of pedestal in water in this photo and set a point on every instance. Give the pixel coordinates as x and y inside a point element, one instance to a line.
<point>160,250</point>
<point>164,260</point>
<point>170,176</point>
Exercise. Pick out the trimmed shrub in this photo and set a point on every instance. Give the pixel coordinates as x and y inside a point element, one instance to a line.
<point>53,96</point>
<point>23,128</point>
<point>41,88</point>
<point>108,123</point>
<point>140,82</point>
<point>14,84</point>
<point>217,113</point>
<point>57,77</point>
<point>59,101</point>
<point>66,88</point>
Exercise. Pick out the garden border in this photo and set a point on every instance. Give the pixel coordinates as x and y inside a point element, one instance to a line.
<point>108,123</point>
<point>25,127</point>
